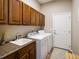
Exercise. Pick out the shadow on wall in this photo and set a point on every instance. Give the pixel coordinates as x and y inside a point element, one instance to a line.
<point>11,31</point>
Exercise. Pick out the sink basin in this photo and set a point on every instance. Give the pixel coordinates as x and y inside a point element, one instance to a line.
<point>21,41</point>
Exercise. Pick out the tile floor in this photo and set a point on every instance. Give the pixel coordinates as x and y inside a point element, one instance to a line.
<point>56,54</point>
<point>61,54</point>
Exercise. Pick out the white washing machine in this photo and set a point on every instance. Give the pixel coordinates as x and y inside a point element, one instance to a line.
<point>43,44</point>
<point>50,42</point>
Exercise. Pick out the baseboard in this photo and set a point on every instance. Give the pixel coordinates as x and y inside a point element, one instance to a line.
<point>64,49</point>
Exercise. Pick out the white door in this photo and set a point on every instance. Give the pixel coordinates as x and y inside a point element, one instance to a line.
<point>62,30</point>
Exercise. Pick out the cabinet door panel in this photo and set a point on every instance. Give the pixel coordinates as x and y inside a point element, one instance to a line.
<point>26,56</point>
<point>42,20</point>
<point>33,17</point>
<point>11,56</point>
<point>27,52</point>
<point>37,19</point>
<point>15,12</point>
<point>3,11</point>
<point>26,14</point>
<point>33,54</point>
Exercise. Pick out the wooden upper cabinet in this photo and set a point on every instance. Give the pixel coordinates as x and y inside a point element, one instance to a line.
<point>42,20</point>
<point>26,14</point>
<point>15,12</point>
<point>33,16</point>
<point>3,11</point>
<point>37,19</point>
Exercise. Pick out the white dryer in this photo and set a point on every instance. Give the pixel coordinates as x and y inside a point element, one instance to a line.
<point>43,44</point>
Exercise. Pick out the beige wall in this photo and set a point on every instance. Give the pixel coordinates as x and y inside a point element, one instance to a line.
<point>33,3</point>
<point>64,6</point>
<point>75,26</point>
<point>51,8</point>
<point>11,30</point>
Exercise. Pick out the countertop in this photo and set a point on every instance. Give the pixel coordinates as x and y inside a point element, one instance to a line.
<point>9,48</point>
<point>40,36</point>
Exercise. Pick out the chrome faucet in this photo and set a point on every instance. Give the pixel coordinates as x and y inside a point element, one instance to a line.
<point>18,36</point>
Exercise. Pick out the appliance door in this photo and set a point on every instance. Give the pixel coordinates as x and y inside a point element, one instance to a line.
<point>44,48</point>
<point>49,43</point>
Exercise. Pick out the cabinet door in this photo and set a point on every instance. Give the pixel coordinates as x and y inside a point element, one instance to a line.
<point>33,17</point>
<point>42,20</point>
<point>15,12</point>
<point>11,56</point>
<point>26,56</point>
<point>37,19</point>
<point>32,53</point>
<point>26,14</point>
<point>3,11</point>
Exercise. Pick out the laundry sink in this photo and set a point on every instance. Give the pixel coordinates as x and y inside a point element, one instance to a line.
<point>21,41</point>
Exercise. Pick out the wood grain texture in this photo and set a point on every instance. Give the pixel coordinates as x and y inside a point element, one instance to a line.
<point>33,17</point>
<point>71,55</point>
<point>42,20</point>
<point>11,56</point>
<point>3,11</point>
<point>26,14</point>
<point>37,18</point>
<point>66,55</point>
<point>15,12</point>
<point>26,52</point>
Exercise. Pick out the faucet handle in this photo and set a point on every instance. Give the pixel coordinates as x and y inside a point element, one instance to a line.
<point>2,38</point>
<point>18,36</point>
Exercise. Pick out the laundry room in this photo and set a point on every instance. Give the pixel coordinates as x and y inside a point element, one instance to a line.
<point>39,29</point>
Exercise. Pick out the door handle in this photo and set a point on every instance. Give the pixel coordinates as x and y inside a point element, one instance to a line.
<point>55,32</point>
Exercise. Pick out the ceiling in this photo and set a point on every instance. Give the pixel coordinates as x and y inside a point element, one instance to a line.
<point>45,1</point>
